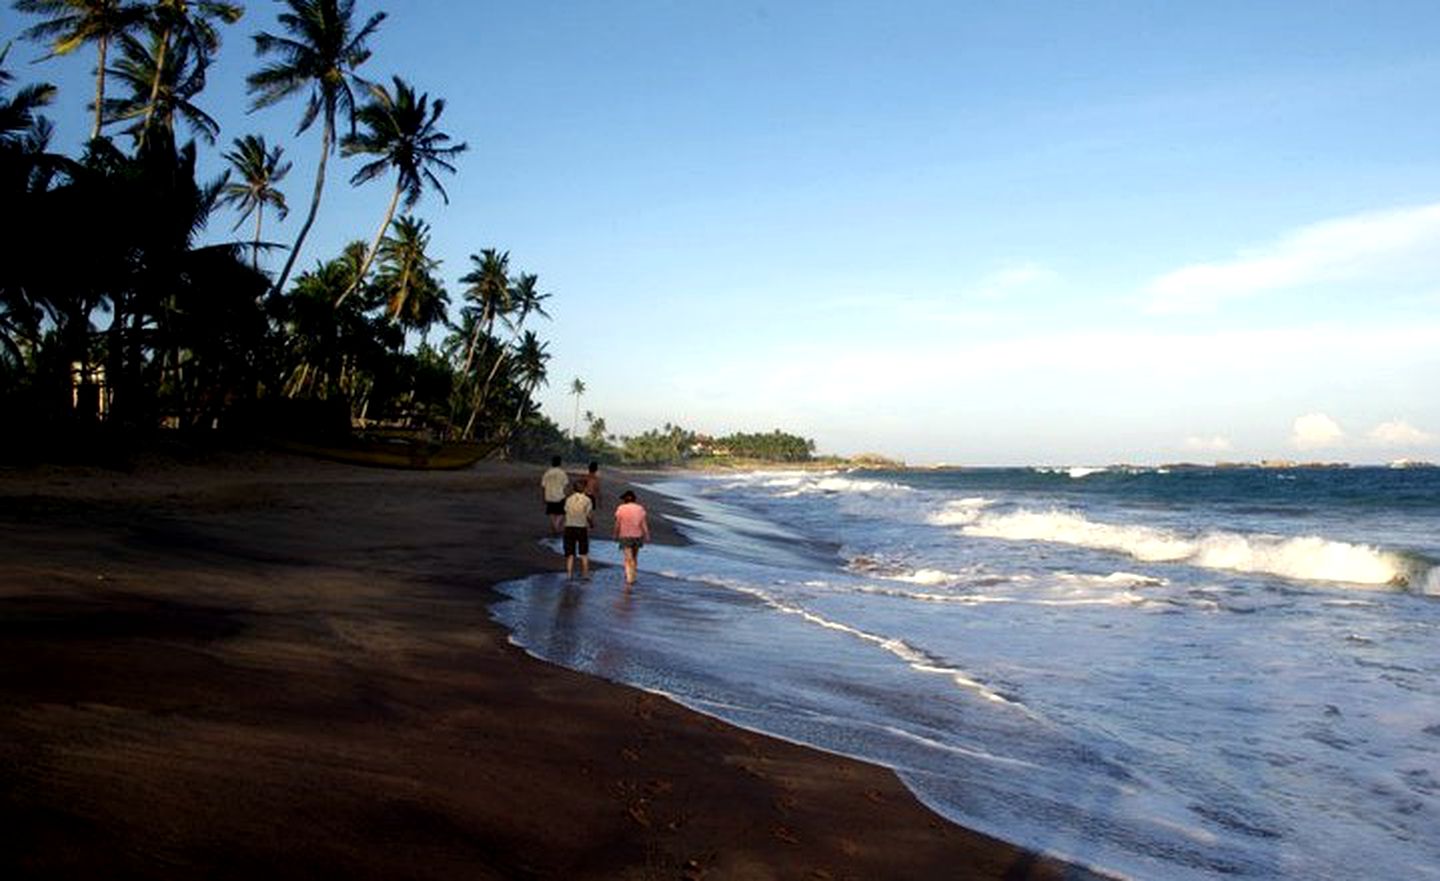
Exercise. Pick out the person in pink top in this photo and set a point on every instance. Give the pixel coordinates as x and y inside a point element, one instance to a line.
<point>632,530</point>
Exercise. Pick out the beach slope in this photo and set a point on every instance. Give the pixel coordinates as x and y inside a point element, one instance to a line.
<point>264,666</point>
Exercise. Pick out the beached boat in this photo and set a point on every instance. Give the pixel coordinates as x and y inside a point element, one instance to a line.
<point>392,451</point>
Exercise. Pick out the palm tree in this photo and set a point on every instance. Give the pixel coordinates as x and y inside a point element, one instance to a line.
<point>321,53</point>
<point>187,28</point>
<point>414,298</point>
<point>531,359</point>
<point>489,291</point>
<point>259,170</point>
<point>23,133</point>
<point>73,23</point>
<point>17,114</point>
<point>526,300</point>
<point>400,130</point>
<point>158,94</point>
<point>577,388</point>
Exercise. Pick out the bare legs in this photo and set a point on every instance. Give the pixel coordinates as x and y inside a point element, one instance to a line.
<point>632,564</point>
<point>584,566</point>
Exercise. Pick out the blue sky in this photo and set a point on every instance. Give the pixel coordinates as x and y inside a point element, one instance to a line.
<point>971,233</point>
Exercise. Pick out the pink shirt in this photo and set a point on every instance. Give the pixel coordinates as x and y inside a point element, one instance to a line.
<point>630,521</point>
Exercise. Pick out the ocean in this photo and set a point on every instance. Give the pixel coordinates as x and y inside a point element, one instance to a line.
<point>1159,673</point>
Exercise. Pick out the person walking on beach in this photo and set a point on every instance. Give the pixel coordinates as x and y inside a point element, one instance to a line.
<point>553,484</point>
<point>579,517</point>
<point>632,530</point>
<point>592,484</point>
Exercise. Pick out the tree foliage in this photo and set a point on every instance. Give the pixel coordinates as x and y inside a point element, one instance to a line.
<point>159,324</point>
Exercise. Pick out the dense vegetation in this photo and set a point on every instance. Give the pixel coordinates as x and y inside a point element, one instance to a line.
<point>673,445</point>
<point>117,315</point>
<point>124,312</point>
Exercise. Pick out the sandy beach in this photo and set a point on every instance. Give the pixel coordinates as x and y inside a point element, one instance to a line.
<point>254,665</point>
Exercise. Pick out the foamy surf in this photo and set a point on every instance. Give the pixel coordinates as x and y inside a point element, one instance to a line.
<point>1304,558</point>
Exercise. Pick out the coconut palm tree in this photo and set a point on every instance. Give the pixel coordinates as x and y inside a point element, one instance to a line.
<point>577,388</point>
<point>23,133</point>
<point>399,129</point>
<point>186,30</point>
<point>320,53</point>
<point>17,114</point>
<point>531,359</point>
<point>489,290</point>
<point>526,300</point>
<point>73,23</point>
<point>259,170</point>
<point>159,94</point>
<point>415,299</point>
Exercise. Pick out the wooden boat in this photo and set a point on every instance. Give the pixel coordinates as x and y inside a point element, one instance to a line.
<point>392,450</point>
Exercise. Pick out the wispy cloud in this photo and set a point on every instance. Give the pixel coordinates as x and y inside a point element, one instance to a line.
<point>1347,248</point>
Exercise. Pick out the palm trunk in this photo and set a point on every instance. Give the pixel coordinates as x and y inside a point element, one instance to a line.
<point>520,410</point>
<point>255,254</point>
<point>402,293</point>
<point>485,390</point>
<point>374,246</point>
<point>325,141</point>
<point>104,48</point>
<point>155,86</point>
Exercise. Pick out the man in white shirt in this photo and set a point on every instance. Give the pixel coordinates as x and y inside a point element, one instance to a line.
<point>553,484</point>
<point>579,517</point>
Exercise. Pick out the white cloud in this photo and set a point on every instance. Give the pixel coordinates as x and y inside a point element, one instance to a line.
<point>1399,433</point>
<point>1315,431</point>
<point>1369,245</point>
<point>1215,444</point>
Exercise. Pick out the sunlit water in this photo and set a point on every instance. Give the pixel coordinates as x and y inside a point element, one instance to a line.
<point>1165,675</point>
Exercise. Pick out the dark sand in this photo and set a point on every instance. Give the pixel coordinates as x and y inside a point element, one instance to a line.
<point>266,667</point>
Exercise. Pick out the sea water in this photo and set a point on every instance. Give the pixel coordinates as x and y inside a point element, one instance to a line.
<point>1160,673</point>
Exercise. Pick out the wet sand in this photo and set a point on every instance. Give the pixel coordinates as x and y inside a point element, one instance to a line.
<point>255,665</point>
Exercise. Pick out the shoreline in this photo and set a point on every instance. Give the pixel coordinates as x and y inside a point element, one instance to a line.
<point>260,663</point>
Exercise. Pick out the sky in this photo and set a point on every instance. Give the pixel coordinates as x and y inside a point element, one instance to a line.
<point>949,232</point>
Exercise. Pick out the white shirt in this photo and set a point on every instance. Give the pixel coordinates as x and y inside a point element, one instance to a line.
<point>577,510</point>
<point>555,481</point>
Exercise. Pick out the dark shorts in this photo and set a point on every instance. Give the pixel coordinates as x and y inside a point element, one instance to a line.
<point>555,507</point>
<point>577,539</point>
<point>636,543</point>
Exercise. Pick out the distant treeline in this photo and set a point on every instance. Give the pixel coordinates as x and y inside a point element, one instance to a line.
<point>674,445</point>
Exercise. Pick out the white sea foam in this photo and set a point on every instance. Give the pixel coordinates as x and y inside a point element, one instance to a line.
<point>1306,558</point>
<point>960,512</point>
<point>914,658</point>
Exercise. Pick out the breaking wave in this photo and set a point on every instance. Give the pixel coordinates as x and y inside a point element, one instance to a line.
<point>1304,558</point>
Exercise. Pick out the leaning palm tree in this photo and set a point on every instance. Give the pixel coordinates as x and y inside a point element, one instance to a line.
<point>577,388</point>
<point>321,53</point>
<point>259,170</point>
<point>414,298</point>
<point>184,28</point>
<point>73,23</point>
<point>155,103</point>
<point>399,130</point>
